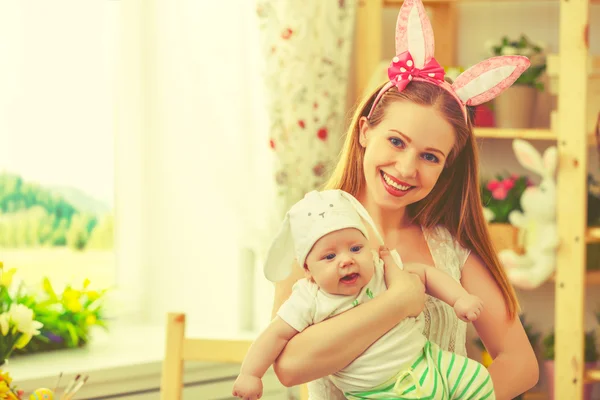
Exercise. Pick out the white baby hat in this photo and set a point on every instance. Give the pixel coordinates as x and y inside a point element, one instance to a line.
<point>317,214</point>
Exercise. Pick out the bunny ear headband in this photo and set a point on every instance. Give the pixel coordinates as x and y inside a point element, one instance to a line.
<point>414,61</point>
<point>318,214</point>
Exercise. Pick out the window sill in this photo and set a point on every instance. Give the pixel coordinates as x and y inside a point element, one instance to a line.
<point>122,362</point>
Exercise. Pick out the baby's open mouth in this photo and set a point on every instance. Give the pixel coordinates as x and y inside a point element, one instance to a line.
<point>351,278</point>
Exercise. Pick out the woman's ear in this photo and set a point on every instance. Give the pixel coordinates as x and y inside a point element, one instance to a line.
<point>363,127</point>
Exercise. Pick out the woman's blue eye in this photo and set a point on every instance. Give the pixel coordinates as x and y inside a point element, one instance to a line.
<point>396,142</point>
<point>430,157</point>
<point>355,249</point>
<point>330,256</point>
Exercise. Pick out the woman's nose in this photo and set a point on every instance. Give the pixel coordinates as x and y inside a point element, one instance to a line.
<point>406,165</point>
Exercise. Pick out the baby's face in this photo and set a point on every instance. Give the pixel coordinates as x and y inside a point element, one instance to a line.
<point>341,262</point>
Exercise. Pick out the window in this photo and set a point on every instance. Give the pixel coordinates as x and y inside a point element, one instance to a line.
<point>57,140</point>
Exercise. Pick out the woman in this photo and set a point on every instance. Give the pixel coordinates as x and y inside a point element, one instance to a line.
<point>410,158</point>
<point>413,165</point>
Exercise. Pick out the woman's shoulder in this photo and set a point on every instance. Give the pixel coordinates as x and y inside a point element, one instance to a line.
<point>440,237</point>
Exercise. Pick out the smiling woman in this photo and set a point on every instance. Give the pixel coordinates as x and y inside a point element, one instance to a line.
<point>399,151</point>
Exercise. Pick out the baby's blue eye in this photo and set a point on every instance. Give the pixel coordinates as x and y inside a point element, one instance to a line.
<point>330,256</point>
<point>356,248</point>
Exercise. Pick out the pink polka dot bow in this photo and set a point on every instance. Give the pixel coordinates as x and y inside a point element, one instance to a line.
<point>403,70</point>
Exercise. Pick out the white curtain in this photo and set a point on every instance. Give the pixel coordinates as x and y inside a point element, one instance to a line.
<point>192,118</point>
<point>307,47</point>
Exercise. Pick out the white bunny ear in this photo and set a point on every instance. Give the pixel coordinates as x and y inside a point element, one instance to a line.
<point>487,79</point>
<point>414,32</point>
<point>550,160</point>
<point>528,156</point>
<point>280,256</point>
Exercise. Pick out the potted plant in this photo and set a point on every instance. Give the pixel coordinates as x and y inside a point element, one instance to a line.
<point>500,196</point>
<point>64,319</point>
<point>515,107</point>
<point>590,358</point>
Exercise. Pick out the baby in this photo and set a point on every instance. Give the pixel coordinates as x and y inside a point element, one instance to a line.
<point>325,233</point>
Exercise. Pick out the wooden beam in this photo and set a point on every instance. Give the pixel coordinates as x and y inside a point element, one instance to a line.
<point>368,50</point>
<point>444,22</point>
<point>528,134</point>
<point>572,181</point>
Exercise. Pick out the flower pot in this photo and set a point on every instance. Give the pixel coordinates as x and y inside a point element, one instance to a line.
<point>515,107</point>
<point>549,372</point>
<point>505,236</point>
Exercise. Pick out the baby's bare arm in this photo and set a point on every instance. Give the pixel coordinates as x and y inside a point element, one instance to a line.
<point>437,283</point>
<point>442,286</point>
<point>267,347</point>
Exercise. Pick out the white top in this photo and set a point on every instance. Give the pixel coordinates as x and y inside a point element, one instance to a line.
<point>441,325</point>
<point>393,352</point>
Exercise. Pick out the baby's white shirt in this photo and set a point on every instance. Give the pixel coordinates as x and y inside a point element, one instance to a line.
<point>392,353</point>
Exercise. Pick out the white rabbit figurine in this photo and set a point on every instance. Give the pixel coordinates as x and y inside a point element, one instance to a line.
<point>537,222</point>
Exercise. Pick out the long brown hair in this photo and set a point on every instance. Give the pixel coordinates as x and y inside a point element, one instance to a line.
<point>455,201</point>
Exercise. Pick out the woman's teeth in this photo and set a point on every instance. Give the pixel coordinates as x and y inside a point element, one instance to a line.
<point>393,184</point>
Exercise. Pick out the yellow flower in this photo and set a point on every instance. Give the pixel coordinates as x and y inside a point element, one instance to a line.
<point>5,377</point>
<point>71,294</point>
<point>93,295</point>
<point>4,323</point>
<point>71,301</point>
<point>5,392</point>
<point>73,305</point>
<point>23,340</point>
<point>91,319</point>
<point>7,277</point>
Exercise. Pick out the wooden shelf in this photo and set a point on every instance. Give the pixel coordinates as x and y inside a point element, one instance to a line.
<point>531,134</point>
<point>593,235</point>
<point>593,375</point>
<point>592,278</point>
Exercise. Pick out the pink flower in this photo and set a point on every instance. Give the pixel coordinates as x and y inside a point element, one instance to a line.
<point>514,177</point>
<point>499,193</point>
<point>508,184</point>
<point>492,185</point>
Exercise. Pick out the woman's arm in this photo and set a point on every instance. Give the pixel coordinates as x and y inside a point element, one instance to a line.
<point>515,368</point>
<point>327,347</point>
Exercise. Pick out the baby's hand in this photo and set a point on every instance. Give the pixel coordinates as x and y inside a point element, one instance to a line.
<point>247,387</point>
<point>468,308</point>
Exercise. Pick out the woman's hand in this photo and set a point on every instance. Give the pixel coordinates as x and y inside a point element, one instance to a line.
<point>408,287</point>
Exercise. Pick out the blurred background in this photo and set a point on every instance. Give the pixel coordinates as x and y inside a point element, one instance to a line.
<point>152,147</point>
